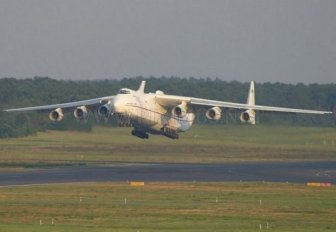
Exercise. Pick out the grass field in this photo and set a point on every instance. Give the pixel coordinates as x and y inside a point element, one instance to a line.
<point>168,207</point>
<point>201,144</point>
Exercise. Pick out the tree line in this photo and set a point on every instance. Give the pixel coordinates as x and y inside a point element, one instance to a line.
<point>43,90</point>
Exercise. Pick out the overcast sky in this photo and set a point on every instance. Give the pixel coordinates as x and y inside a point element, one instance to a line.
<point>264,40</point>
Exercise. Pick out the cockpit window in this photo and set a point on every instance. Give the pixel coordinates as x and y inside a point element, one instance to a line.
<point>124,91</point>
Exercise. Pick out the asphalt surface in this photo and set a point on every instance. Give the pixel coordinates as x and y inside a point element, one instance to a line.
<point>271,172</point>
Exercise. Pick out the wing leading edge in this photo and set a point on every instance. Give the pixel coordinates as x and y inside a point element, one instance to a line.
<point>69,105</point>
<point>171,100</point>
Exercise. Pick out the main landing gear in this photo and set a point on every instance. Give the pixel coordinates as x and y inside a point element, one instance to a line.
<point>170,133</point>
<point>140,134</point>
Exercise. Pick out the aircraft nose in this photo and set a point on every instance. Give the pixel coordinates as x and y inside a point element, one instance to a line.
<point>117,105</point>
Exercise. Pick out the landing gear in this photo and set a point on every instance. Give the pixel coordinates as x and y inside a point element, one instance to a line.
<point>125,124</point>
<point>170,133</point>
<point>124,121</point>
<point>140,134</point>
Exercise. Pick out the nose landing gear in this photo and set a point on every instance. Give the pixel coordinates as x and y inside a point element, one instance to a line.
<point>124,121</point>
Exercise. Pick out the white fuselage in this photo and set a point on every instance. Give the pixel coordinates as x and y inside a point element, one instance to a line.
<point>147,115</point>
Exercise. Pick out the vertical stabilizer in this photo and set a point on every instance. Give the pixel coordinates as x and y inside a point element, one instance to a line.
<point>142,87</point>
<point>251,95</point>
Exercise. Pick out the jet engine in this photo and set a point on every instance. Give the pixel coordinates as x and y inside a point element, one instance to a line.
<point>248,116</point>
<point>81,113</point>
<point>180,111</point>
<point>105,110</point>
<point>56,115</point>
<point>215,113</point>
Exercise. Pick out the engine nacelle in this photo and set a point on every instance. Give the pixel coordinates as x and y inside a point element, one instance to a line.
<point>248,116</point>
<point>105,110</point>
<point>214,113</point>
<point>180,111</point>
<point>56,115</point>
<point>81,113</point>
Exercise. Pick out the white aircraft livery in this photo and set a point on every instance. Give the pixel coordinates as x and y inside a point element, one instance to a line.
<point>156,113</point>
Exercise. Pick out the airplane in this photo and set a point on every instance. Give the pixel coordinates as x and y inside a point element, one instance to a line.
<point>157,113</point>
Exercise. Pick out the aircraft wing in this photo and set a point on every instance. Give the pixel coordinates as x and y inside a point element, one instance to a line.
<point>171,100</point>
<point>91,103</point>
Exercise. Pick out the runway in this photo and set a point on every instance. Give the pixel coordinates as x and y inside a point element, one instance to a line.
<point>300,172</point>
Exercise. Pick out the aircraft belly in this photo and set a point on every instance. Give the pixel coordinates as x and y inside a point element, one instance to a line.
<point>155,119</point>
<point>144,118</point>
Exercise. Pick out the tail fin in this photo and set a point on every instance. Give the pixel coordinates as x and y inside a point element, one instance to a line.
<point>142,87</point>
<point>251,95</point>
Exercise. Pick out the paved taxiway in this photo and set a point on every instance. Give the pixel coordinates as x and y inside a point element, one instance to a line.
<point>275,172</point>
